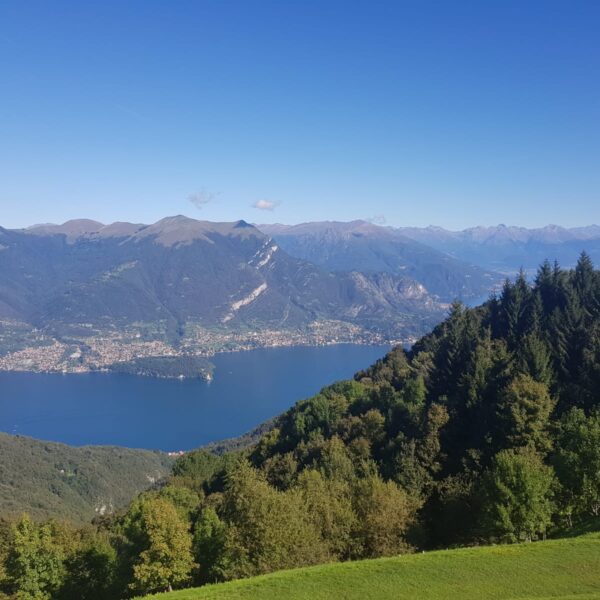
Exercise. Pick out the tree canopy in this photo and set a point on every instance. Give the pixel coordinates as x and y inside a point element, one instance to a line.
<point>487,429</point>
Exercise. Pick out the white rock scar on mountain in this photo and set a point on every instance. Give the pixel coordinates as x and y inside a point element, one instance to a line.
<point>251,297</point>
<point>267,258</point>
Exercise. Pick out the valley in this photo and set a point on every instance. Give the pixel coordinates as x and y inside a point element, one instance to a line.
<point>299,300</point>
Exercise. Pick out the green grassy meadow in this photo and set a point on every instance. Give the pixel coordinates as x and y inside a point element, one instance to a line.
<point>568,569</point>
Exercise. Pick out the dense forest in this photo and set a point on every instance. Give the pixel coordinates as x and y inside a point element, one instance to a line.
<point>487,430</point>
<point>49,479</point>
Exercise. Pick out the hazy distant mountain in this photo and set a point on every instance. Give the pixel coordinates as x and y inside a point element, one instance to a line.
<point>370,248</point>
<point>507,248</point>
<point>178,270</point>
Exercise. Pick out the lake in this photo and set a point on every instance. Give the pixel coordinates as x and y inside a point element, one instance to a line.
<point>169,414</point>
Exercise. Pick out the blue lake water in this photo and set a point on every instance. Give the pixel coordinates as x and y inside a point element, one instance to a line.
<point>166,414</point>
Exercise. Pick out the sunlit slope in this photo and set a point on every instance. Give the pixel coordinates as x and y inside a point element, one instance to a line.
<point>52,480</point>
<point>566,569</point>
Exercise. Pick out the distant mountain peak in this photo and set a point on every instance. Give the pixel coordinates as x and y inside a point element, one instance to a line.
<point>339,228</point>
<point>81,225</point>
<point>241,224</point>
<point>71,229</point>
<point>180,229</point>
<point>169,231</point>
<point>507,247</point>
<point>181,271</point>
<point>369,248</point>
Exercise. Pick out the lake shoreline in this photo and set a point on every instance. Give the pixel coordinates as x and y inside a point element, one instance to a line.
<point>203,377</point>
<point>103,408</point>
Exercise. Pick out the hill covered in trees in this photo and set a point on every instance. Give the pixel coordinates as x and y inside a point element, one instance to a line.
<point>487,430</point>
<point>47,479</point>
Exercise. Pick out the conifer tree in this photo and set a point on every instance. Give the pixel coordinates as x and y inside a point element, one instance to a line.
<point>584,279</point>
<point>544,285</point>
<point>534,358</point>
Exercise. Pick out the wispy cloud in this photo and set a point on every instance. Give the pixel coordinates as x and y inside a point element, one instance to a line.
<point>264,204</point>
<point>202,197</point>
<point>377,220</point>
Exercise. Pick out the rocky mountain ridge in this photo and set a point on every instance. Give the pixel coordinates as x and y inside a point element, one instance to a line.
<point>369,248</point>
<point>97,293</point>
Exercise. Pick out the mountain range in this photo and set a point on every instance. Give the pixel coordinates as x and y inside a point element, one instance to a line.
<point>183,286</point>
<point>84,295</point>
<point>508,248</point>
<point>181,269</point>
<point>448,263</point>
<point>369,248</point>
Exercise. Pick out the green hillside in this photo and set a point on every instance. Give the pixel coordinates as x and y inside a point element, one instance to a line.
<point>565,569</point>
<point>487,431</point>
<point>47,479</point>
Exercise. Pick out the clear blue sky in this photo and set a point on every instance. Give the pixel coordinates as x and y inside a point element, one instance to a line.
<point>452,113</point>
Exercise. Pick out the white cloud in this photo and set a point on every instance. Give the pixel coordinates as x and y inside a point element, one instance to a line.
<point>264,204</point>
<point>202,198</point>
<point>377,220</point>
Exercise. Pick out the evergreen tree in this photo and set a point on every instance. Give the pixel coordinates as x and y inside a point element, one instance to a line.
<point>584,281</point>
<point>449,354</point>
<point>513,309</point>
<point>534,358</point>
<point>545,287</point>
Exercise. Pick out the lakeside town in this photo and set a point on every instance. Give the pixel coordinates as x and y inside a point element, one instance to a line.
<point>36,351</point>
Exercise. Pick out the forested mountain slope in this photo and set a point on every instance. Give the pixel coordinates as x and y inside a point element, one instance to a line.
<point>46,479</point>
<point>487,430</point>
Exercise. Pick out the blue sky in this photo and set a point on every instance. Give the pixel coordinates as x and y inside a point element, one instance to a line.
<point>410,113</point>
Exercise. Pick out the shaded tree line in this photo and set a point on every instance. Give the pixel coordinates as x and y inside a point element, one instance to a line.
<point>487,430</point>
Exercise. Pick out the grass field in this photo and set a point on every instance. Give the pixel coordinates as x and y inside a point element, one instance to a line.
<point>568,569</point>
